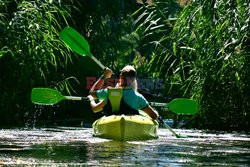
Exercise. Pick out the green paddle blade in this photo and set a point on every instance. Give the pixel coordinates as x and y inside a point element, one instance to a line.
<point>183,106</point>
<point>46,96</point>
<point>75,41</point>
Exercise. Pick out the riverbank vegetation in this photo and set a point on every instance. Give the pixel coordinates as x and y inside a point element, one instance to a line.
<point>199,48</point>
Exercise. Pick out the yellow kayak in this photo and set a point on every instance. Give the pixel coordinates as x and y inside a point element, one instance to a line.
<point>125,127</point>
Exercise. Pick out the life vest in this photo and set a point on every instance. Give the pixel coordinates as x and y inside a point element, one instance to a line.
<point>116,104</point>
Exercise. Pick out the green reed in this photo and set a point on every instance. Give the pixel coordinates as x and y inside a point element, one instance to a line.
<point>31,53</point>
<point>204,56</point>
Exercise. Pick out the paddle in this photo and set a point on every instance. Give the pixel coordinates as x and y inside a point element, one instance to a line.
<point>47,96</point>
<point>78,44</point>
<point>178,106</point>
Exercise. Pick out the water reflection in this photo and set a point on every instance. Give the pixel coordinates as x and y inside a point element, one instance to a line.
<point>76,146</point>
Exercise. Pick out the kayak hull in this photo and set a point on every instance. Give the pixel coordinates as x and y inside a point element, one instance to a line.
<point>125,127</point>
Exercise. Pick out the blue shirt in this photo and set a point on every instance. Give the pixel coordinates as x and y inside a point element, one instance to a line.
<point>131,97</point>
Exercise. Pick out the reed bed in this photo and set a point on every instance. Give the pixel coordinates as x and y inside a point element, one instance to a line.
<point>203,55</point>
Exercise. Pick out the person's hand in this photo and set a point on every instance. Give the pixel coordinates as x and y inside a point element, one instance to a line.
<point>91,98</point>
<point>107,73</point>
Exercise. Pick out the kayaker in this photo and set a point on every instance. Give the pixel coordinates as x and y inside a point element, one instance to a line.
<point>131,102</point>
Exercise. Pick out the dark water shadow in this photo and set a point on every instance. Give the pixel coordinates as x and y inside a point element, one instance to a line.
<point>57,152</point>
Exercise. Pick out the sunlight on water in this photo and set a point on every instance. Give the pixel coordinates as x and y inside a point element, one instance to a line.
<point>76,146</point>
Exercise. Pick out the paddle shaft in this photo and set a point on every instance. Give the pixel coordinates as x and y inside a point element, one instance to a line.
<point>97,62</point>
<point>158,104</point>
<point>76,98</point>
<point>170,129</point>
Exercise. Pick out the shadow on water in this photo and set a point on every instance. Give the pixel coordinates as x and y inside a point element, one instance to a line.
<point>77,146</point>
<point>70,152</point>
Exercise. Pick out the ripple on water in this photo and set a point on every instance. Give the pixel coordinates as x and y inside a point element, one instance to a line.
<point>77,146</point>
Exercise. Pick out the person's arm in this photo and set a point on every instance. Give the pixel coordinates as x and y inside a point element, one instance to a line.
<point>144,106</point>
<point>151,112</point>
<point>96,107</point>
<point>99,83</point>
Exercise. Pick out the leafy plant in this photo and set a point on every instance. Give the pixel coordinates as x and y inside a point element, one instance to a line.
<point>206,57</point>
<point>31,53</point>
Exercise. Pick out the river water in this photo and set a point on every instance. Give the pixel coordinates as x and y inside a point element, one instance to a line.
<point>64,146</point>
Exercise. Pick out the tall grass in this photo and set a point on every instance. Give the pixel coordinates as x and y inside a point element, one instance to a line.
<point>153,23</point>
<point>107,27</point>
<point>206,57</point>
<point>31,53</point>
<point>201,51</point>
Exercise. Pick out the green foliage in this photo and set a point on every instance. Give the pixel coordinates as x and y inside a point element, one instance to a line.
<point>206,56</point>
<point>106,25</point>
<point>201,51</point>
<point>153,24</point>
<point>31,53</point>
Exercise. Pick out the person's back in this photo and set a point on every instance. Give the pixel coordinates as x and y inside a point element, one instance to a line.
<point>131,100</point>
<point>131,97</point>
